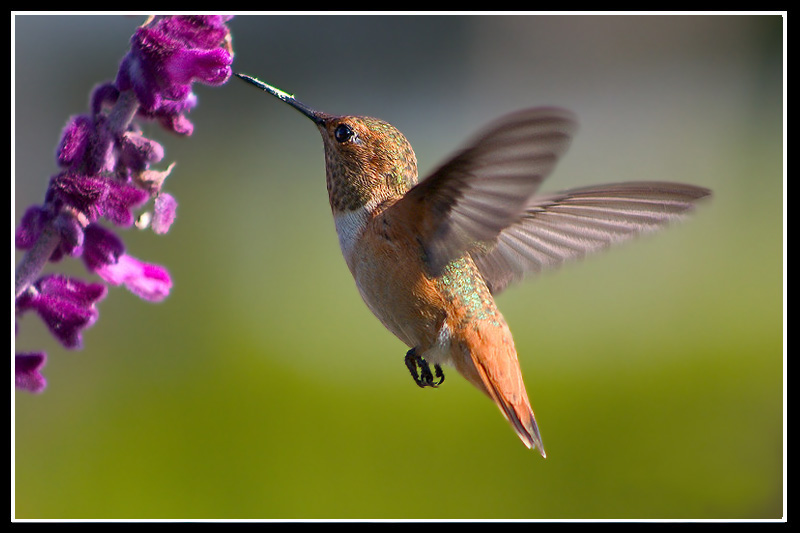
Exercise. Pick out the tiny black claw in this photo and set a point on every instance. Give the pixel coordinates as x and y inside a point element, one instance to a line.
<point>421,370</point>
<point>425,375</point>
<point>411,364</point>
<point>439,374</point>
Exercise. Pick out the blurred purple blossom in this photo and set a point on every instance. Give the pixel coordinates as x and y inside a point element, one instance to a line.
<point>65,304</point>
<point>105,174</point>
<point>147,281</point>
<point>163,212</point>
<point>28,377</point>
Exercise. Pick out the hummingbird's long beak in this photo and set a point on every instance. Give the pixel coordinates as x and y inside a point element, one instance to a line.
<point>316,116</point>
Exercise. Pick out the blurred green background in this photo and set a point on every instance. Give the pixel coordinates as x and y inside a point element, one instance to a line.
<point>264,388</point>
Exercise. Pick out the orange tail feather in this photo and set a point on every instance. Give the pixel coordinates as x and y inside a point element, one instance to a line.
<point>494,369</point>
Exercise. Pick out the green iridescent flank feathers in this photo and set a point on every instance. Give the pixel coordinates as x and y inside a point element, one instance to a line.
<point>461,281</point>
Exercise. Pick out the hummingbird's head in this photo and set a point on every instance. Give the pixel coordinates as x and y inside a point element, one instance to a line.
<point>367,160</point>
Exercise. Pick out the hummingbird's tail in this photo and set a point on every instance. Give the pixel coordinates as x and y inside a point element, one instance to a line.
<point>493,368</point>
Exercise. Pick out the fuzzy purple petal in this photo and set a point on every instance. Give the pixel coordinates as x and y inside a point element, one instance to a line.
<point>147,281</point>
<point>102,248</point>
<point>102,95</point>
<point>74,140</point>
<point>164,213</point>
<point>71,231</point>
<point>197,31</point>
<point>120,202</point>
<point>31,226</point>
<point>178,124</point>
<point>138,152</point>
<point>27,373</point>
<point>212,67</point>
<point>171,114</point>
<point>84,194</point>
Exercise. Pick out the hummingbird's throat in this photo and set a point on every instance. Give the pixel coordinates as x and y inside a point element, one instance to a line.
<point>344,197</point>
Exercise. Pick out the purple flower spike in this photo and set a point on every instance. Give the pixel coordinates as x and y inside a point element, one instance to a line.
<point>105,172</point>
<point>26,371</point>
<point>65,304</point>
<point>147,281</point>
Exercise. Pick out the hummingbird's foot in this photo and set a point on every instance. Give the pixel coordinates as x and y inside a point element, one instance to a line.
<point>423,377</point>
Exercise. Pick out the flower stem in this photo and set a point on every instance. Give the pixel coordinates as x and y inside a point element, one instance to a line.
<point>120,116</point>
<point>124,110</point>
<point>35,259</point>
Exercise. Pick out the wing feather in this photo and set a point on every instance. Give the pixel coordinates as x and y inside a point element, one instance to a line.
<point>486,186</point>
<point>571,224</point>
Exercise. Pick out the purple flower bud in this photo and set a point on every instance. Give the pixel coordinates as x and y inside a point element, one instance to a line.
<point>147,281</point>
<point>171,114</point>
<point>36,219</point>
<point>26,371</point>
<point>71,231</point>
<point>177,124</point>
<point>103,94</point>
<point>209,66</point>
<point>30,227</point>
<point>164,213</point>
<point>83,194</point>
<point>101,248</point>
<point>198,31</point>
<point>138,152</point>
<point>65,224</point>
<point>171,52</point>
<point>94,197</point>
<point>74,141</point>
<point>66,305</point>
<point>120,202</point>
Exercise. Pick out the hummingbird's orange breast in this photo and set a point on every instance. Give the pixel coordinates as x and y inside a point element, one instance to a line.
<point>386,261</point>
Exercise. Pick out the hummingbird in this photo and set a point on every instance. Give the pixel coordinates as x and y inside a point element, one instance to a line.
<point>428,257</point>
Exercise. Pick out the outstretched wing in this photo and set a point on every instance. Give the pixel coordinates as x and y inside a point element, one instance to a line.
<point>487,186</point>
<point>568,225</point>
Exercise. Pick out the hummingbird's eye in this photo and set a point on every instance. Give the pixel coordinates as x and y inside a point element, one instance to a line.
<point>343,133</point>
